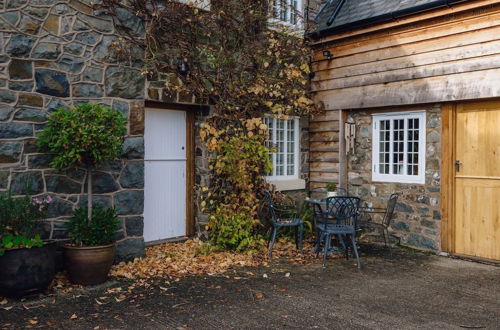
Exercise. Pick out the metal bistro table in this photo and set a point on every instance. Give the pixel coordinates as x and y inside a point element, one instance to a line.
<point>319,208</point>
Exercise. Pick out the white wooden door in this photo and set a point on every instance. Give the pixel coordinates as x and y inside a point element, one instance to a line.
<point>165,174</point>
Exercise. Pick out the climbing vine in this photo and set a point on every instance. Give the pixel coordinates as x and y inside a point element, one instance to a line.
<point>232,54</point>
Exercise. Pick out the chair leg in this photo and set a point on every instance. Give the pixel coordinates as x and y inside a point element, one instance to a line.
<point>273,240</point>
<point>342,242</point>
<point>270,236</point>
<point>355,249</point>
<point>317,242</point>
<point>326,248</point>
<point>388,245</point>
<point>296,234</point>
<point>301,237</point>
<point>385,238</point>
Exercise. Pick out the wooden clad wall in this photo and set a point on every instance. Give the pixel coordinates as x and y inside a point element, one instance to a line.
<point>324,149</point>
<point>446,55</point>
<point>444,58</point>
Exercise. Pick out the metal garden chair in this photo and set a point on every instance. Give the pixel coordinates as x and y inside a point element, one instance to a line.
<point>283,217</point>
<point>387,216</point>
<point>339,219</point>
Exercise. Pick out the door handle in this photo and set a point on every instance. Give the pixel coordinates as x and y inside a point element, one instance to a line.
<point>458,164</point>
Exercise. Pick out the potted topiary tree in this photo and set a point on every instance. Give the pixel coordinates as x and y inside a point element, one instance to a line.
<point>86,135</point>
<point>27,264</point>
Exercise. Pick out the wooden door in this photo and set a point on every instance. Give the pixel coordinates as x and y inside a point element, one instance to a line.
<point>477,180</point>
<point>164,174</point>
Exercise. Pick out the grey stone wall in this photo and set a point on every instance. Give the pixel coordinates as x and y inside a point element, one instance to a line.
<point>59,53</point>
<point>55,53</point>
<point>418,213</point>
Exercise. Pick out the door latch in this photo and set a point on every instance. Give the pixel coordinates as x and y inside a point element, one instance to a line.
<point>457,165</point>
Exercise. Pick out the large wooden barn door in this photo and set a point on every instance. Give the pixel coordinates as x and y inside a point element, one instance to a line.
<point>477,180</point>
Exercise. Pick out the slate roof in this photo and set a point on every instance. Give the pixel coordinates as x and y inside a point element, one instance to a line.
<point>368,12</point>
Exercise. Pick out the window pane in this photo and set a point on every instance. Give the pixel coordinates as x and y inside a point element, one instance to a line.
<point>290,147</point>
<point>398,146</point>
<point>413,146</point>
<point>384,154</point>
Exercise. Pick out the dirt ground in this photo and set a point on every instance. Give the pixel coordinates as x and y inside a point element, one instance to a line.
<point>410,290</point>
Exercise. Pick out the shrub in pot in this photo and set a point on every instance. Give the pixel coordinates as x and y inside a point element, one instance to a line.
<point>85,136</point>
<point>90,255</point>
<point>331,190</point>
<point>27,264</point>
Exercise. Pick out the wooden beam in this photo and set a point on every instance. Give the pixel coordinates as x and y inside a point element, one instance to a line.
<point>462,86</point>
<point>447,177</point>
<point>426,71</point>
<point>177,106</point>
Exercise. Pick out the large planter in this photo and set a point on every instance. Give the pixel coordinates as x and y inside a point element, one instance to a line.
<point>89,265</point>
<point>331,194</point>
<point>24,271</point>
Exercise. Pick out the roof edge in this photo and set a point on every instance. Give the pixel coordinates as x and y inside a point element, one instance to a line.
<point>385,17</point>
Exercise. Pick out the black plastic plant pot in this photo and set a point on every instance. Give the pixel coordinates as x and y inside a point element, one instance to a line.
<point>25,271</point>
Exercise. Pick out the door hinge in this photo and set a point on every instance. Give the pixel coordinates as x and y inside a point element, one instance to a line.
<point>458,164</point>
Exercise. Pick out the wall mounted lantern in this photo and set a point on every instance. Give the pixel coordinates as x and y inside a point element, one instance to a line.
<point>183,67</point>
<point>328,55</point>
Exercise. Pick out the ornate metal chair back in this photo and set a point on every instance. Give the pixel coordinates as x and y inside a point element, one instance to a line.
<point>391,205</point>
<point>343,209</point>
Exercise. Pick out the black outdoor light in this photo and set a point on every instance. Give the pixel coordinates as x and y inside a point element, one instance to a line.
<point>183,67</point>
<point>328,55</point>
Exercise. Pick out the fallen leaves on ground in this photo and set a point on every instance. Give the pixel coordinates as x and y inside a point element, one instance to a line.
<point>178,260</point>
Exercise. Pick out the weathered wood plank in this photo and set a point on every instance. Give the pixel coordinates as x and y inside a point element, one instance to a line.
<point>443,43</point>
<point>410,61</point>
<point>324,167</point>
<point>462,86</point>
<point>324,136</point>
<point>482,21</point>
<point>324,146</point>
<point>324,126</point>
<point>327,115</point>
<point>439,69</point>
<point>320,156</point>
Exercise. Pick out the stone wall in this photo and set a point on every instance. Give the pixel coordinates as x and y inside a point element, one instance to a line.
<point>418,213</point>
<point>58,53</point>
<point>55,53</point>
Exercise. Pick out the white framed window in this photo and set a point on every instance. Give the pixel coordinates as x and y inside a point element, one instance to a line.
<point>286,11</point>
<point>284,139</point>
<point>398,147</point>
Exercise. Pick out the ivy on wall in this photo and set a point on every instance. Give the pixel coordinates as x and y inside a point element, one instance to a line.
<point>246,66</point>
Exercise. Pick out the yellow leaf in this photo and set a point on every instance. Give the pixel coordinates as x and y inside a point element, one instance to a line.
<point>73,317</point>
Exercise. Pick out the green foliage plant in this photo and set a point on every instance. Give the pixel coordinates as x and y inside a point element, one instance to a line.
<point>246,66</point>
<point>19,216</point>
<point>84,135</point>
<point>239,163</point>
<point>100,230</point>
<point>331,187</point>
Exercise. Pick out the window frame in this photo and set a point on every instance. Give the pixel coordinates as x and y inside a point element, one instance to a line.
<point>296,123</point>
<point>399,178</point>
<point>277,18</point>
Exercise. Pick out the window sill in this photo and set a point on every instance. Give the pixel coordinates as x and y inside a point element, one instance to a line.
<point>285,185</point>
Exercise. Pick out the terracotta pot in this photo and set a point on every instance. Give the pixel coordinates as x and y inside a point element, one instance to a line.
<point>89,265</point>
<point>24,271</point>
